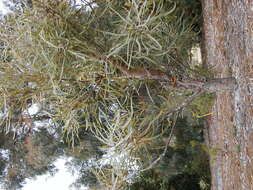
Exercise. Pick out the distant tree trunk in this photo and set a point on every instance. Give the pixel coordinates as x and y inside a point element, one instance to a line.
<point>228,47</point>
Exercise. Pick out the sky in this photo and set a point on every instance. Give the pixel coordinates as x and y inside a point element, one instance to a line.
<point>3,10</point>
<point>61,180</point>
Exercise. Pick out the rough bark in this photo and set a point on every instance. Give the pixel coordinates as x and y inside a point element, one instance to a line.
<point>228,47</point>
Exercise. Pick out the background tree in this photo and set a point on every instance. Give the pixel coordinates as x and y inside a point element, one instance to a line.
<point>185,164</point>
<point>27,158</point>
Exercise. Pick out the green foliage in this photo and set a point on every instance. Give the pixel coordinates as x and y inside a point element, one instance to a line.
<point>52,48</point>
<point>185,165</point>
<point>64,60</point>
<point>189,144</point>
<point>87,147</point>
<point>26,159</point>
<point>201,106</point>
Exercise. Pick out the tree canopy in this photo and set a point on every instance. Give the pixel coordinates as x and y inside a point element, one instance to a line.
<point>121,70</point>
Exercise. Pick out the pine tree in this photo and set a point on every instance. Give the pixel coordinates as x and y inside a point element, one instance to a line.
<point>119,69</point>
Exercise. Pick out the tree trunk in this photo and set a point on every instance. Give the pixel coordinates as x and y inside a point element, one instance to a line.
<point>228,47</point>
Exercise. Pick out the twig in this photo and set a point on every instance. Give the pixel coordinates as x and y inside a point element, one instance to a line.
<point>176,110</point>
<point>166,147</point>
<point>185,102</point>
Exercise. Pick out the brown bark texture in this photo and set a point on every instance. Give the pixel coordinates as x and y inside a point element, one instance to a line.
<point>228,47</point>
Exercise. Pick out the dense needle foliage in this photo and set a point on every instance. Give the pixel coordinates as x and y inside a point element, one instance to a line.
<point>75,63</point>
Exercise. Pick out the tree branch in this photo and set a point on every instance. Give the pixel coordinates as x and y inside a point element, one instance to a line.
<point>211,85</point>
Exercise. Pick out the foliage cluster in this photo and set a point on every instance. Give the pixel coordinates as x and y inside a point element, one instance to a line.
<point>69,61</point>
<point>185,165</point>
